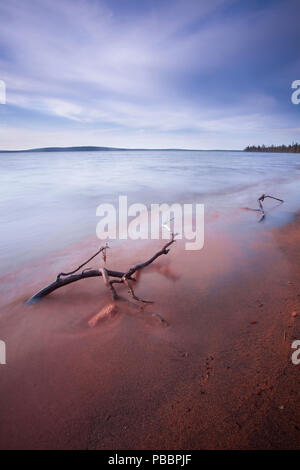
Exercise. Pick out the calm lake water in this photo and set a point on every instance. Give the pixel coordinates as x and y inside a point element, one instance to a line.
<point>48,200</point>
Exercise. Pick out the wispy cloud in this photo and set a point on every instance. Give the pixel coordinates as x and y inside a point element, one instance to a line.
<point>169,71</point>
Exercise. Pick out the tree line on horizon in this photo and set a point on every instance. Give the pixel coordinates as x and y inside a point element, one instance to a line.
<point>292,148</point>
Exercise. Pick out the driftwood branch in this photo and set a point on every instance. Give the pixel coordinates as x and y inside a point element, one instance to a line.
<point>125,278</point>
<point>261,207</point>
<point>69,279</point>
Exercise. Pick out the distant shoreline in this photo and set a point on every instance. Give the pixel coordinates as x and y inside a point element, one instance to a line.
<point>294,148</point>
<point>108,149</point>
<point>259,149</point>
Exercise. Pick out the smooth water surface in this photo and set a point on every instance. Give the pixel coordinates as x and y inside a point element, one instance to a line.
<point>48,200</point>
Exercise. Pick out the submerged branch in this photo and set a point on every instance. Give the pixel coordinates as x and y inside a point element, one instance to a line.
<point>68,280</point>
<point>261,207</point>
<point>64,279</point>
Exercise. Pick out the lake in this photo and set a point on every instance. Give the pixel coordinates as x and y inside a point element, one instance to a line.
<point>49,200</point>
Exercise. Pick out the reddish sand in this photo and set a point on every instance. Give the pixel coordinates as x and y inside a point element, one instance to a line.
<point>219,376</point>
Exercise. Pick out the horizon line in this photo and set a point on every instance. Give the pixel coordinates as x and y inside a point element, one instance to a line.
<point>82,148</point>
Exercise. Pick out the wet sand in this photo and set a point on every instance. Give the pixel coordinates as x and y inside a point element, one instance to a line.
<point>216,374</point>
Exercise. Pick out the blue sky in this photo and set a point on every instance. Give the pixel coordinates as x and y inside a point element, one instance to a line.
<point>151,73</point>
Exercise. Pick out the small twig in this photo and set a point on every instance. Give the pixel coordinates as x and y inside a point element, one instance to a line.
<point>131,291</point>
<point>261,207</point>
<point>264,196</point>
<point>105,276</point>
<point>101,249</point>
<point>163,251</point>
<point>113,290</point>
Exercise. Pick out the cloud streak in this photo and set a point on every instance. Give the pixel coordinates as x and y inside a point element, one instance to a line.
<point>165,68</point>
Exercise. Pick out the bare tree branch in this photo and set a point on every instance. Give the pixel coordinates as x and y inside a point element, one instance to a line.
<point>70,279</point>
<point>106,274</point>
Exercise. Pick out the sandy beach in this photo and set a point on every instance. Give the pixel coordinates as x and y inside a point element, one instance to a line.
<point>216,373</point>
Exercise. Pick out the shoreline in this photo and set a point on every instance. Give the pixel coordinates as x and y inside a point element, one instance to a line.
<point>216,377</point>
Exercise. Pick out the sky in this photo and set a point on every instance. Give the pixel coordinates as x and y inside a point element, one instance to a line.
<point>149,73</point>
